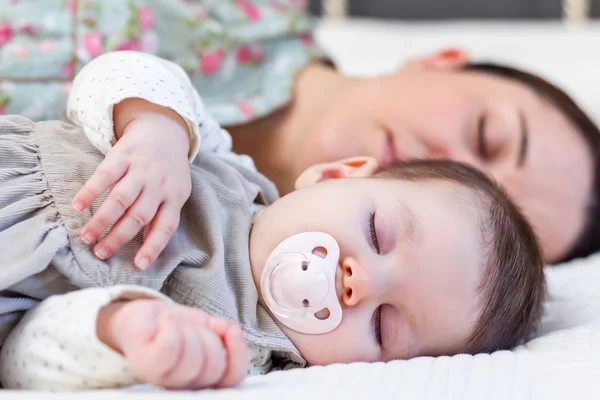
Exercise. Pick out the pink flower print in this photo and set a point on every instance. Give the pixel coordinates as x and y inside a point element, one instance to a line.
<point>307,38</point>
<point>68,70</point>
<point>300,4</point>
<point>250,53</point>
<point>210,61</point>
<point>27,29</point>
<point>278,6</point>
<point>46,46</point>
<point>252,12</point>
<point>6,33</point>
<point>72,6</point>
<point>2,110</point>
<point>246,109</point>
<point>146,18</point>
<point>200,14</point>
<point>132,44</point>
<point>66,88</point>
<point>20,52</point>
<point>92,43</point>
<point>149,41</point>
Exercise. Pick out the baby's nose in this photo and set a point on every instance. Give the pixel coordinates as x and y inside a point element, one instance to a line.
<point>356,282</point>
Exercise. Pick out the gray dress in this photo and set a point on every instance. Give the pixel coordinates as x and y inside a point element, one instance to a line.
<point>205,265</point>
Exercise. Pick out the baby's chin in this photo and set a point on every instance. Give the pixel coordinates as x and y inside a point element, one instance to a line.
<point>292,335</point>
<point>324,349</point>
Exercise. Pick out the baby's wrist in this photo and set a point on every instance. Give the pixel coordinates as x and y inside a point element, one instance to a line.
<point>170,130</point>
<point>106,325</point>
<point>130,110</point>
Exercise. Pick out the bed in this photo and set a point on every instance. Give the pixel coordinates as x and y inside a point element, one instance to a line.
<point>563,361</point>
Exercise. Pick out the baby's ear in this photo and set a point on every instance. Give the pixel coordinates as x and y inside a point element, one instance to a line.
<point>357,167</point>
<point>449,58</point>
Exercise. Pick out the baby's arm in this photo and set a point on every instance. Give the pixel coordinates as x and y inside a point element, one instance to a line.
<point>145,111</point>
<point>119,336</point>
<point>55,346</point>
<point>140,107</point>
<point>103,86</point>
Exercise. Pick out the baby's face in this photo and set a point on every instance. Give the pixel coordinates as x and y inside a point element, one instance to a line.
<point>414,277</point>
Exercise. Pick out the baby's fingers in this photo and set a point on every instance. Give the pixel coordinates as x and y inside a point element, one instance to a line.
<point>157,237</point>
<point>121,197</point>
<point>154,360</point>
<point>213,358</point>
<point>130,224</point>
<point>109,172</point>
<point>237,358</point>
<point>191,362</point>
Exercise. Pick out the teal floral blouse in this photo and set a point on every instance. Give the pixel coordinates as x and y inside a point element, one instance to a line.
<point>241,55</point>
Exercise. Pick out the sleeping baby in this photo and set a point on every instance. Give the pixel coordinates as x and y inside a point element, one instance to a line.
<point>359,263</point>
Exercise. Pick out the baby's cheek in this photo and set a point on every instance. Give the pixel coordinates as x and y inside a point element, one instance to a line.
<point>343,345</point>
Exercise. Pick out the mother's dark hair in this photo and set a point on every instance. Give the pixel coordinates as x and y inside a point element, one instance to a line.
<point>589,239</point>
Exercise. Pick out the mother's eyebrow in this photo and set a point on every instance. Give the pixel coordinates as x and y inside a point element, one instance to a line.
<point>524,144</point>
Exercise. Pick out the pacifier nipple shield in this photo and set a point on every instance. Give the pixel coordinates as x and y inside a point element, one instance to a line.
<point>298,283</point>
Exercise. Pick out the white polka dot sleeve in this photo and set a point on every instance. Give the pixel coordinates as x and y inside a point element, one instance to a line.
<point>261,362</point>
<point>116,76</point>
<point>55,346</point>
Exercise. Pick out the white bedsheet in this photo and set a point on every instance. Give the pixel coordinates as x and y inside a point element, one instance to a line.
<point>563,362</point>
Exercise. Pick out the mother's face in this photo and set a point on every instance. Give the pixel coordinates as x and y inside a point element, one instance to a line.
<point>495,124</point>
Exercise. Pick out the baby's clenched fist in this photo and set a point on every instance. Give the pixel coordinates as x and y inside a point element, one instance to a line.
<point>174,346</point>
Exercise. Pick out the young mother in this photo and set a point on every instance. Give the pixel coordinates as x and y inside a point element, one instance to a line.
<point>261,75</point>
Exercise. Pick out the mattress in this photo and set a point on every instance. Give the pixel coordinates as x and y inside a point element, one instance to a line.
<point>563,360</point>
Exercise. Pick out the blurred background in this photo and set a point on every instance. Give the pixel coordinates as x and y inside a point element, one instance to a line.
<point>457,9</point>
<point>559,39</point>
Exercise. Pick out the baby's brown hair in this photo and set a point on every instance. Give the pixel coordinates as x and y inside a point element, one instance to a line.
<point>513,287</point>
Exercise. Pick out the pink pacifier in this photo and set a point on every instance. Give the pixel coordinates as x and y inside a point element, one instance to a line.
<point>298,283</point>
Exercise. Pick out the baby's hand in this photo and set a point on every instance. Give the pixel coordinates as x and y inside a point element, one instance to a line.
<point>149,169</point>
<point>174,346</point>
